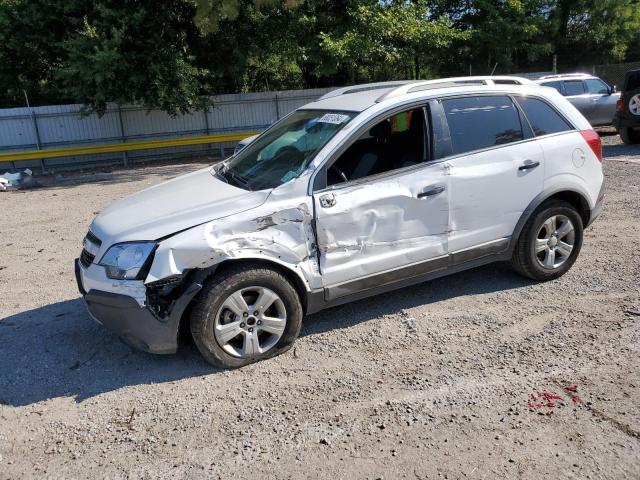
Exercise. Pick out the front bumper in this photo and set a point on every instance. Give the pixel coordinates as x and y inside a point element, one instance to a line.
<point>136,324</point>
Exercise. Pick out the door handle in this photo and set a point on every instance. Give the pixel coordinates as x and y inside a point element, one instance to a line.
<point>435,190</point>
<point>528,166</point>
<point>327,200</point>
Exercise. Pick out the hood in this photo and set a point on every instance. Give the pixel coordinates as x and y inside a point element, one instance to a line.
<point>173,206</point>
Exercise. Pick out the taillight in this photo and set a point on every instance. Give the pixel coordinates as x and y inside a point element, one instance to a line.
<point>593,139</point>
<point>620,105</point>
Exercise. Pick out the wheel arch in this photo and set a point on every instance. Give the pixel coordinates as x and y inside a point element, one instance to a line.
<point>577,199</point>
<point>288,273</point>
<point>294,277</point>
<point>203,274</point>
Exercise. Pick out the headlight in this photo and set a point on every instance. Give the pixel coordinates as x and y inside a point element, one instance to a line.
<point>123,261</point>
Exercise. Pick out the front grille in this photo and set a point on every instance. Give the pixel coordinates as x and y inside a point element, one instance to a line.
<point>93,239</point>
<point>86,258</point>
<point>91,245</point>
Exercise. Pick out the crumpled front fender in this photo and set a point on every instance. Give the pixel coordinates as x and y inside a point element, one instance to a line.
<point>279,231</point>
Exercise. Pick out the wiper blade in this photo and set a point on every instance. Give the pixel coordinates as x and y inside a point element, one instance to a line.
<point>238,180</point>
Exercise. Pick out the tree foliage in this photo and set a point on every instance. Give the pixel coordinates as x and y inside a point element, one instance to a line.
<point>171,54</point>
<point>130,51</point>
<point>388,41</point>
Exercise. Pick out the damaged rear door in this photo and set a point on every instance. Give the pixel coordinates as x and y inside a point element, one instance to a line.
<point>496,169</point>
<point>385,226</point>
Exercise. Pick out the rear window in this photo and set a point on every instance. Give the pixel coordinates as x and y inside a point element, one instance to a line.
<point>573,87</point>
<point>481,122</point>
<point>543,119</point>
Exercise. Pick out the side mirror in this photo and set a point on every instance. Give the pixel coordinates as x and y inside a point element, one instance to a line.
<point>614,89</point>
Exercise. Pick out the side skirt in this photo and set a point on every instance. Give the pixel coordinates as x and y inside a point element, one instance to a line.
<point>490,252</point>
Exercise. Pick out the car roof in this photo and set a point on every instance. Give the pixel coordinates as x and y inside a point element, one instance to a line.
<point>358,98</point>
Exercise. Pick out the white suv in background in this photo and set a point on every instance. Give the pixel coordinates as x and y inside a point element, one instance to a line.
<point>382,186</point>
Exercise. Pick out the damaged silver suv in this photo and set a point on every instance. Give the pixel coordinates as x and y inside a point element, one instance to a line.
<point>370,188</point>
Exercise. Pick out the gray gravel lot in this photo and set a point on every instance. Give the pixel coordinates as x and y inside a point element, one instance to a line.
<point>478,375</point>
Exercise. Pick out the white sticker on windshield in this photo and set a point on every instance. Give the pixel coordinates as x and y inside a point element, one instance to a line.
<point>334,118</point>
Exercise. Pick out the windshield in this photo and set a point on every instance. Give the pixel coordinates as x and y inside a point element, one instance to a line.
<point>284,151</point>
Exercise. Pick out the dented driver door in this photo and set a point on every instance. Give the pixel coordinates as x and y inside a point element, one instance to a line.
<point>381,230</point>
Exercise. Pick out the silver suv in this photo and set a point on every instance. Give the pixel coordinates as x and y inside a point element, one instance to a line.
<point>593,97</point>
<point>369,189</point>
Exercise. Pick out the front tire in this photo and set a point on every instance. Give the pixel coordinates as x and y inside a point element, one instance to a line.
<point>244,315</point>
<point>550,241</point>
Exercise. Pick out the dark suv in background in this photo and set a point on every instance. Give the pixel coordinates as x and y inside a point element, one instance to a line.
<point>627,118</point>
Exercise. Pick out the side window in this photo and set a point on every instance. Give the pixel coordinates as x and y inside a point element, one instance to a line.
<point>543,119</point>
<point>573,87</point>
<point>596,86</point>
<point>556,85</point>
<point>395,142</point>
<point>481,122</point>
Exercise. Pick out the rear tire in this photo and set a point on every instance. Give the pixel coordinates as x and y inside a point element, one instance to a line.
<point>550,241</point>
<point>259,305</point>
<point>630,136</point>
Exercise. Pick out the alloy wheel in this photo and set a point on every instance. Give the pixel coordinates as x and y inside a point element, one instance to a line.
<point>250,322</point>
<point>634,104</point>
<point>555,241</point>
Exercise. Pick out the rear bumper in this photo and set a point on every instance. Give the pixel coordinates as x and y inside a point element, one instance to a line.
<point>137,325</point>
<point>621,121</point>
<point>597,210</point>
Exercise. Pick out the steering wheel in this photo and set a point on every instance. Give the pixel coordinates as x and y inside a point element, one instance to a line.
<point>339,172</point>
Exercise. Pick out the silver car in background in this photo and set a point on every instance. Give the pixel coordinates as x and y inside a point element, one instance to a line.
<point>595,98</point>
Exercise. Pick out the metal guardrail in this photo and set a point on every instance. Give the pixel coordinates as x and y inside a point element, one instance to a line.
<point>66,137</point>
<point>123,147</point>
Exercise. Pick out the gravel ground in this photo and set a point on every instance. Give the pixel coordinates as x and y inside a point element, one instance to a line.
<point>478,375</point>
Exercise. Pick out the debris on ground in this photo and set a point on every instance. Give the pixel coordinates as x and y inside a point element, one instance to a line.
<point>18,180</point>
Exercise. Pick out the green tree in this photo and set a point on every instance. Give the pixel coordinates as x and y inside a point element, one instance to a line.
<point>594,31</point>
<point>212,13</point>
<point>390,40</point>
<point>172,54</point>
<point>133,51</point>
<point>31,53</point>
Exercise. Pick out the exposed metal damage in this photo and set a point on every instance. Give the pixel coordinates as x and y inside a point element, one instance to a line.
<point>282,236</point>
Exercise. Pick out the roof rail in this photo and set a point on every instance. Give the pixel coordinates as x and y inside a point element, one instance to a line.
<point>544,77</point>
<point>363,88</point>
<point>418,86</point>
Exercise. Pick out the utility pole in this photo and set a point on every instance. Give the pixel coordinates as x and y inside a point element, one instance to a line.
<point>36,131</point>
